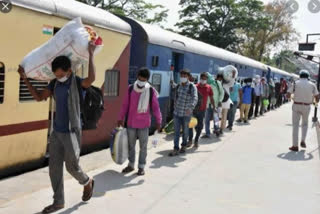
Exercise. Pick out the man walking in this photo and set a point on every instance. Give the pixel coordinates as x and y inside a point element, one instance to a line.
<point>235,95</point>
<point>218,94</point>
<point>65,140</point>
<point>185,101</point>
<point>140,100</point>
<point>205,92</point>
<point>304,93</point>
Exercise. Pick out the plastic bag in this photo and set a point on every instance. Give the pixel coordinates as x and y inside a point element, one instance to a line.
<point>266,102</point>
<point>155,139</point>
<point>119,145</point>
<point>72,41</point>
<point>193,123</point>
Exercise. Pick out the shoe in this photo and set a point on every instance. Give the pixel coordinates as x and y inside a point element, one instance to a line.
<point>294,149</point>
<point>205,137</point>
<point>246,122</point>
<point>221,132</point>
<point>303,145</point>
<point>127,169</point>
<point>88,191</point>
<point>141,172</point>
<point>189,144</point>
<point>239,121</point>
<point>230,128</point>
<point>174,153</point>
<point>196,145</point>
<point>217,133</point>
<point>183,149</point>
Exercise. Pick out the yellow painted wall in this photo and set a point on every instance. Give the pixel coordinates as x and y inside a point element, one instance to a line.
<point>21,32</point>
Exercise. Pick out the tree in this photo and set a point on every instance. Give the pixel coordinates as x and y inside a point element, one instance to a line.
<point>219,22</point>
<point>137,9</point>
<point>276,31</point>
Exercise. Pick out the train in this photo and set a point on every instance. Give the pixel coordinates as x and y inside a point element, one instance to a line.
<point>25,124</point>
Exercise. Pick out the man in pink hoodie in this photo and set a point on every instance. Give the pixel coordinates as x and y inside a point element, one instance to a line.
<point>140,99</point>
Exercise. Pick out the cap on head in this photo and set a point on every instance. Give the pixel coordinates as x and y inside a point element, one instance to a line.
<point>304,74</point>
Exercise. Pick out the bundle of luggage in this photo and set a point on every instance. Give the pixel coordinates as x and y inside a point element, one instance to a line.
<point>72,41</point>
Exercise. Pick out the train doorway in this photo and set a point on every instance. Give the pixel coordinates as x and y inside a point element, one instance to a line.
<point>177,63</point>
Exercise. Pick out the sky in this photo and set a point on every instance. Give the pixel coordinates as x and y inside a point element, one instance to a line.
<point>305,22</point>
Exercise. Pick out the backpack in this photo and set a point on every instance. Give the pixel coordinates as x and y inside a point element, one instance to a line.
<point>226,95</point>
<point>91,106</point>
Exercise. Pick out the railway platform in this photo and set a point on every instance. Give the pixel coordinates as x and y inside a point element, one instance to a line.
<point>247,171</point>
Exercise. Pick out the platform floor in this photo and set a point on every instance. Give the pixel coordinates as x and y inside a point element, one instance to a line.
<point>247,171</point>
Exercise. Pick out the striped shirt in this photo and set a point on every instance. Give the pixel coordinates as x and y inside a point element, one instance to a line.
<point>186,99</point>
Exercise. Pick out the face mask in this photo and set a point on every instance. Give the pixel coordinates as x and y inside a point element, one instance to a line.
<point>248,84</point>
<point>141,84</point>
<point>184,79</point>
<point>63,79</point>
<point>203,82</point>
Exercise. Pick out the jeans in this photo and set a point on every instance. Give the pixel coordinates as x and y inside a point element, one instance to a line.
<point>208,117</point>
<point>257,105</point>
<point>199,115</point>
<point>142,135</point>
<point>181,122</point>
<point>232,113</point>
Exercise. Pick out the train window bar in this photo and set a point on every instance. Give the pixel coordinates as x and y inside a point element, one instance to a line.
<point>2,76</point>
<point>24,93</point>
<point>112,83</point>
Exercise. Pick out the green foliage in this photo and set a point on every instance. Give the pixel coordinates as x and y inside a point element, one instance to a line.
<point>219,22</point>
<point>137,9</point>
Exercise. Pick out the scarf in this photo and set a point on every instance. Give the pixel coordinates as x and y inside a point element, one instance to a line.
<point>74,108</point>
<point>144,97</point>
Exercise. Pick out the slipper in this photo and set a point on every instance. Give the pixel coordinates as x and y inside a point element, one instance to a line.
<point>87,195</point>
<point>52,208</point>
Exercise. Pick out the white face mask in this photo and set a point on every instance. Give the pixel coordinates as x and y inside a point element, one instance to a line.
<point>184,79</point>
<point>248,84</point>
<point>63,79</point>
<point>141,84</point>
<point>203,82</point>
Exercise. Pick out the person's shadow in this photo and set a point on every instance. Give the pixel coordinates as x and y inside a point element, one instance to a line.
<point>166,161</point>
<point>296,156</point>
<point>112,180</point>
<point>106,182</point>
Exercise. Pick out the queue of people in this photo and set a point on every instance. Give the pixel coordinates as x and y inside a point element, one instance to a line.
<point>211,101</point>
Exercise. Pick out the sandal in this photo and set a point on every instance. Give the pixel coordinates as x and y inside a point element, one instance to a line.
<point>88,194</point>
<point>52,208</point>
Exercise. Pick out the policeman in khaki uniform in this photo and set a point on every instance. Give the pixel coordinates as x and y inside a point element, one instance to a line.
<point>304,93</point>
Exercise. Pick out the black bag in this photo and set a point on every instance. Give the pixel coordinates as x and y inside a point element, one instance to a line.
<point>91,106</point>
<point>226,96</point>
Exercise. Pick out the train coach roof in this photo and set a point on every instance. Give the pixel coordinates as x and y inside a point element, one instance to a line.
<point>277,70</point>
<point>72,9</point>
<point>159,36</point>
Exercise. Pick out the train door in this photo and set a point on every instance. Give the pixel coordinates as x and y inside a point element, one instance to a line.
<point>177,63</point>
<point>268,74</point>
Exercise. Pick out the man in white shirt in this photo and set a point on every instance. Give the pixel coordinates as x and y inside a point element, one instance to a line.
<point>304,93</point>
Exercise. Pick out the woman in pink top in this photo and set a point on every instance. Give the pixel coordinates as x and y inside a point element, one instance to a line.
<point>136,108</point>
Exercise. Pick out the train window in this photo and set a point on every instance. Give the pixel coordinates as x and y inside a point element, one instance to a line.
<point>25,95</point>
<point>55,30</point>
<point>2,70</point>
<point>111,83</point>
<point>156,82</point>
<point>155,61</point>
<point>240,66</point>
